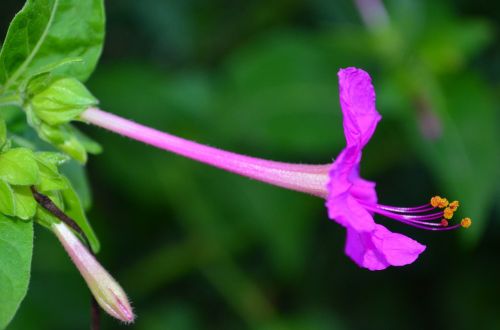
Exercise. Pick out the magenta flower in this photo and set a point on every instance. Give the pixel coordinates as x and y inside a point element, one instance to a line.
<point>351,200</point>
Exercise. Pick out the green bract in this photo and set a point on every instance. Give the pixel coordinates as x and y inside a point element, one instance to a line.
<point>64,138</point>
<point>54,105</point>
<point>62,101</point>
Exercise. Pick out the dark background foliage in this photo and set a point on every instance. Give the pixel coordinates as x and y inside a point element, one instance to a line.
<point>197,248</point>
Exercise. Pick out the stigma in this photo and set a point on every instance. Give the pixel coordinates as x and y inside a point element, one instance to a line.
<point>435,215</point>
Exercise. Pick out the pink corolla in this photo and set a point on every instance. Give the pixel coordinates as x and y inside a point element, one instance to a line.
<point>351,201</point>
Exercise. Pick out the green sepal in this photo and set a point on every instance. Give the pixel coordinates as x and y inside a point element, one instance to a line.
<point>90,145</point>
<point>63,137</point>
<point>73,147</point>
<point>53,134</point>
<point>62,101</point>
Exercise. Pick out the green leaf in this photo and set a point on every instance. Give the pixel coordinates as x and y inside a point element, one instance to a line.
<point>25,202</point>
<point>44,74</point>
<point>73,208</point>
<point>7,202</point>
<point>18,166</point>
<point>62,101</point>
<point>16,246</point>
<point>45,33</point>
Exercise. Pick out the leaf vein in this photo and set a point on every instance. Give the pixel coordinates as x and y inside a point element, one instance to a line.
<point>35,50</point>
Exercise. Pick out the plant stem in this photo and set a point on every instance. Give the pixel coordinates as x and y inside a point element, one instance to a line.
<point>95,314</point>
<point>50,206</point>
<point>311,179</point>
<point>10,99</point>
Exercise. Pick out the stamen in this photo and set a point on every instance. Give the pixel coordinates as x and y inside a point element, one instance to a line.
<point>421,216</point>
<point>416,209</point>
<point>448,213</point>
<point>454,205</point>
<point>424,220</point>
<point>440,202</point>
<point>466,222</point>
<point>434,228</point>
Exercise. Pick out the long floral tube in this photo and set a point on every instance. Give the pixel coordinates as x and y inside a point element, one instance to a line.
<point>311,179</point>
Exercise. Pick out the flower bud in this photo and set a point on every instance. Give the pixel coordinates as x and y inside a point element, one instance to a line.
<point>103,286</point>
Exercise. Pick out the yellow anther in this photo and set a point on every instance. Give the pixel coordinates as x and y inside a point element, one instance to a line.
<point>448,213</point>
<point>443,203</point>
<point>435,200</point>
<point>454,205</point>
<point>466,222</point>
<point>438,201</point>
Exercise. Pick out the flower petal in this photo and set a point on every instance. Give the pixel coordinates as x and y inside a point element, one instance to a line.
<point>398,249</point>
<point>357,100</point>
<point>363,190</point>
<point>347,211</point>
<point>381,248</point>
<point>342,206</point>
<point>361,250</point>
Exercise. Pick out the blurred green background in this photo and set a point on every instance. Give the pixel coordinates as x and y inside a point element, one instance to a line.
<point>198,248</point>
